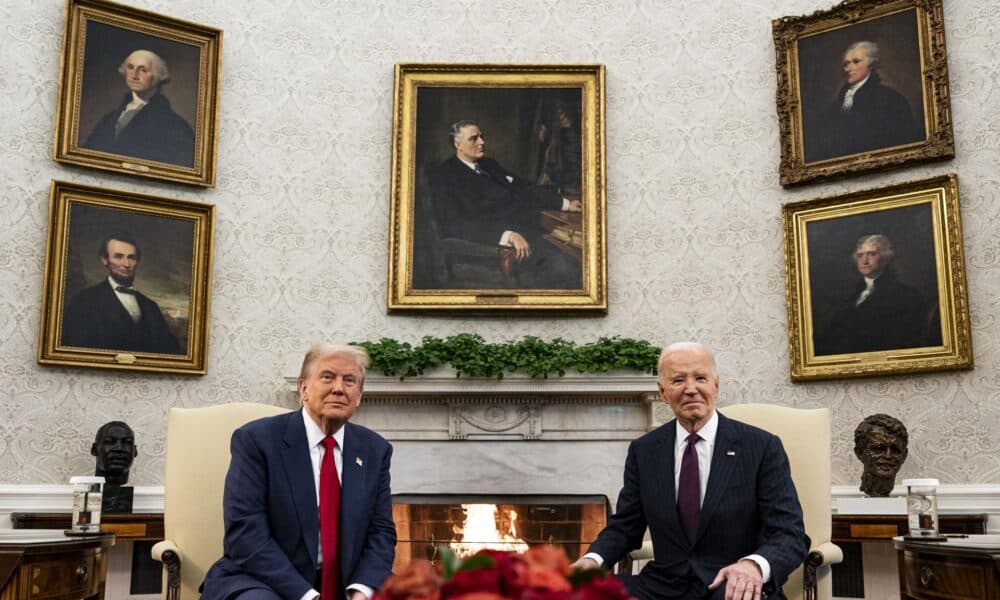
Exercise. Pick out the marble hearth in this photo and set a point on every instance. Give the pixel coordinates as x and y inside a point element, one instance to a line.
<point>563,435</point>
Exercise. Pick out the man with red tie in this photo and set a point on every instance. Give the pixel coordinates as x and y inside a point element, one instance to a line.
<point>307,504</point>
<point>716,495</point>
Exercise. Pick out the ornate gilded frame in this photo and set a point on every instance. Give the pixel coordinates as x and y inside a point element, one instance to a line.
<point>89,86</point>
<point>928,73</point>
<point>412,80</point>
<point>176,238</point>
<point>922,220</point>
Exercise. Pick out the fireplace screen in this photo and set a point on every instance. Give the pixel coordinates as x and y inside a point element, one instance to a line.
<point>468,522</point>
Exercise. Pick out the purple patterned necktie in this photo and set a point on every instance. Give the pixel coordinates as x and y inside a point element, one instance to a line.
<point>689,489</point>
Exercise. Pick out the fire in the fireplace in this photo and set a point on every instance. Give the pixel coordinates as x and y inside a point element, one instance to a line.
<point>487,526</point>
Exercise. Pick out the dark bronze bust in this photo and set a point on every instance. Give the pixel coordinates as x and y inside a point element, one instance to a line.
<point>114,447</point>
<point>880,443</point>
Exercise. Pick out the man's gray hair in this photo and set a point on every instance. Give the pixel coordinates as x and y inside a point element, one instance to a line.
<point>870,49</point>
<point>456,129</point>
<point>160,72</point>
<point>324,350</point>
<point>881,242</point>
<point>677,346</point>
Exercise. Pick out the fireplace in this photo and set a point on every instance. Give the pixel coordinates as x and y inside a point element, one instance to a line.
<point>467,523</point>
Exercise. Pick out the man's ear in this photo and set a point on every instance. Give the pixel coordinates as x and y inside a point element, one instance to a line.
<point>93,449</point>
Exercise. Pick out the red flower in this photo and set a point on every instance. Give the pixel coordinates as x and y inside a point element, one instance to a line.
<point>549,557</point>
<point>418,581</point>
<point>467,582</point>
<point>602,587</point>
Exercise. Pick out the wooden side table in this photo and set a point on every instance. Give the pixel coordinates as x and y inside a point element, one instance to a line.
<point>133,526</point>
<point>47,564</point>
<point>957,569</point>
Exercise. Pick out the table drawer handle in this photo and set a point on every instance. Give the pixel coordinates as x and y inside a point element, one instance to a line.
<point>81,573</point>
<point>926,575</point>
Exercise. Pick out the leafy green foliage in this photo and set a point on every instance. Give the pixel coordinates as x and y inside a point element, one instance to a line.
<point>470,355</point>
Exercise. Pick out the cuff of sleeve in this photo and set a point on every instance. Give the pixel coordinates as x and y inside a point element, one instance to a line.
<point>565,205</point>
<point>596,558</point>
<point>364,589</point>
<point>765,567</point>
<point>505,238</point>
<point>310,595</point>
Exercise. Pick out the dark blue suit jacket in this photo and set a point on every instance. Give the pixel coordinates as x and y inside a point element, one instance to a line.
<point>272,518</point>
<point>750,507</point>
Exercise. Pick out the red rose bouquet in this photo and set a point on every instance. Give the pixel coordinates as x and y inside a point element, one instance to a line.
<point>541,573</point>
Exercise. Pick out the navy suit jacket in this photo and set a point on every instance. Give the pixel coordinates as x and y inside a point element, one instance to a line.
<point>272,518</point>
<point>155,133</point>
<point>750,507</point>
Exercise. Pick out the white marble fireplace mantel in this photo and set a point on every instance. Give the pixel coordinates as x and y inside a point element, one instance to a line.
<point>577,407</point>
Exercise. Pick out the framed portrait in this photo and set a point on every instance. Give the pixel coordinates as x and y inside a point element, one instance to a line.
<point>876,282</point>
<point>127,279</point>
<point>862,87</point>
<point>498,191</point>
<point>138,93</point>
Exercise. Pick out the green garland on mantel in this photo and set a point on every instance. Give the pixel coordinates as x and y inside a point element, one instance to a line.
<point>471,356</point>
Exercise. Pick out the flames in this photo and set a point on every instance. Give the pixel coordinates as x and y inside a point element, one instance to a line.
<point>483,529</point>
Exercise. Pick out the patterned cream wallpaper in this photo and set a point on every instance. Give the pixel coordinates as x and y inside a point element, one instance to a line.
<point>695,248</point>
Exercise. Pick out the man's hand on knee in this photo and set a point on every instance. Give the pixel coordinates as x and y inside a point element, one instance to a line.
<point>743,580</point>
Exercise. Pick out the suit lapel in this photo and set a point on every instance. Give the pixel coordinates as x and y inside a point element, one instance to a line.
<point>664,461</point>
<point>301,483</point>
<point>352,484</point>
<point>725,458</point>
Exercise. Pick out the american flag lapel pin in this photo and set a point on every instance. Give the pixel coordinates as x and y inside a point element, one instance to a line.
<point>730,452</point>
<point>359,462</point>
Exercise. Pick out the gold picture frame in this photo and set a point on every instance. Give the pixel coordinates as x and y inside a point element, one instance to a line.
<point>103,304</point>
<point>911,314</point>
<point>452,244</point>
<point>862,87</point>
<point>138,93</point>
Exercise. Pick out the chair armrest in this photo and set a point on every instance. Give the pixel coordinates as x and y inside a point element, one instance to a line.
<point>169,554</point>
<point>826,553</point>
<point>643,552</point>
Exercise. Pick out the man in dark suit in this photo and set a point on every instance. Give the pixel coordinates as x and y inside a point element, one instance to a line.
<point>144,125</point>
<point>716,495</point>
<point>476,199</point>
<point>865,115</point>
<point>307,503</point>
<point>880,312</point>
<point>113,315</point>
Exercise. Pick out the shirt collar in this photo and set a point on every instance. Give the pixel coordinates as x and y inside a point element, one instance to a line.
<point>870,281</point>
<point>115,285</point>
<point>315,435</point>
<point>467,163</point>
<point>707,432</point>
<point>857,85</point>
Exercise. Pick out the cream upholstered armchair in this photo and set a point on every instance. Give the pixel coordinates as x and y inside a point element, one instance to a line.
<point>805,435</point>
<point>197,461</point>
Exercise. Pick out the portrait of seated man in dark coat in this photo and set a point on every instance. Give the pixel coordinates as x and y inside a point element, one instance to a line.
<point>865,115</point>
<point>476,199</point>
<point>113,314</point>
<point>880,312</point>
<point>144,125</point>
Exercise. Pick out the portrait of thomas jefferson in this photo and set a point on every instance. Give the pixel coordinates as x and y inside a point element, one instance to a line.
<point>879,311</point>
<point>139,96</point>
<point>861,88</point>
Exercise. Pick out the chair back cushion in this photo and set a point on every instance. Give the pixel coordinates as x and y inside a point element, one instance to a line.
<point>805,434</point>
<point>196,465</point>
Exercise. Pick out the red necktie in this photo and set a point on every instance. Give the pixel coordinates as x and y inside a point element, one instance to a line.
<point>689,489</point>
<point>329,522</point>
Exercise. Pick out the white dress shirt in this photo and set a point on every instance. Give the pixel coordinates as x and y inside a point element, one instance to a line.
<point>869,287</point>
<point>129,301</point>
<point>315,436</point>
<point>704,448</point>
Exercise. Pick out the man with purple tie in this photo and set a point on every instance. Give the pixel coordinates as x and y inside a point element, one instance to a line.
<point>716,494</point>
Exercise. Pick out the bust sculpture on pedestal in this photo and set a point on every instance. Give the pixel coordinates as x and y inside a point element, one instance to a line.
<point>114,447</point>
<point>880,442</point>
